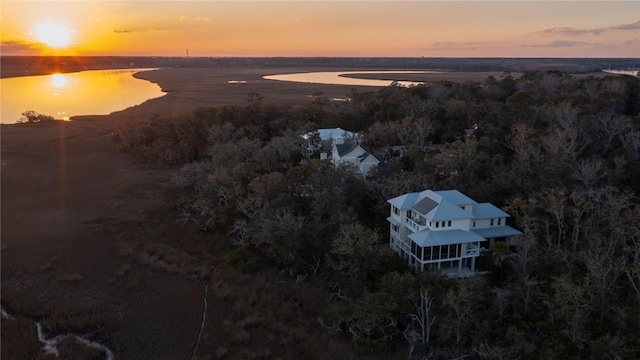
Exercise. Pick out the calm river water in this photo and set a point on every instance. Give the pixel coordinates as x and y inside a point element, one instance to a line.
<point>94,92</point>
<point>336,77</point>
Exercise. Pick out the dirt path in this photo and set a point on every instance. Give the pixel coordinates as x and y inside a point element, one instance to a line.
<point>204,318</point>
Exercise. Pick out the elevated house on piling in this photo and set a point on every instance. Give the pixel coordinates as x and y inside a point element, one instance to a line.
<point>445,230</point>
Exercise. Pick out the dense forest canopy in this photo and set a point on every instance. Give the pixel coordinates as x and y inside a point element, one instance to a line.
<point>560,153</point>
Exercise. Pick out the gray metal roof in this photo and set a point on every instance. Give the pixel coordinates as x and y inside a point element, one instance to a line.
<point>346,148</point>
<point>366,156</point>
<point>393,220</point>
<point>326,134</point>
<point>444,237</point>
<point>497,231</point>
<point>456,197</point>
<point>447,211</point>
<point>487,211</point>
<point>405,201</point>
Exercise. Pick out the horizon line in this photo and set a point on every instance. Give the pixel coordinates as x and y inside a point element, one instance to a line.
<point>327,57</point>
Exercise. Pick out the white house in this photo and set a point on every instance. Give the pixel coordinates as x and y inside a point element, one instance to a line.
<point>325,138</point>
<point>445,230</point>
<point>355,157</point>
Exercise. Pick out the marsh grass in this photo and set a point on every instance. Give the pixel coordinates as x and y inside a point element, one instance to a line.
<point>19,339</point>
<point>170,259</point>
<point>69,278</point>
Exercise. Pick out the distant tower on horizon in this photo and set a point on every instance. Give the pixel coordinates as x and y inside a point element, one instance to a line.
<point>187,52</point>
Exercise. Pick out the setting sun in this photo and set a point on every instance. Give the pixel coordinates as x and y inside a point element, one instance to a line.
<point>299,28</point>
<point>53,34</point>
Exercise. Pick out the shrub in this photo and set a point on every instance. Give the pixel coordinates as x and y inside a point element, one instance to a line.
<point>163,141</point>
<point>243,259</point>
<point>32,117</point>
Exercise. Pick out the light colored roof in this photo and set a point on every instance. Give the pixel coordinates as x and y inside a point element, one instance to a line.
<point>393,220</point>
<point>443,210</point>
<point>456,197</point>
<point>447,211</point>
<point>445,205</point>
<point>326,134</point>
<point>497,231</point>
<point>444,237</point>
<point>405,201</point>
<point>487,211</point>
<point>366,157</point>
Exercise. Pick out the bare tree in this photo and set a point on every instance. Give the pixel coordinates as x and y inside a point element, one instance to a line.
<point>588,172</point>
<point>611,127</point>
<point>354,250</point>
<point>631,262</point>
<point>553,201</point>
<point>501,300</point>
<point>424,318</point>
<point>460,303</point>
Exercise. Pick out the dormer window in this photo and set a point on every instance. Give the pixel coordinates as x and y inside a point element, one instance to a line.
<point>499,221</point>
<point>449,223</point>
<point>491,222</point>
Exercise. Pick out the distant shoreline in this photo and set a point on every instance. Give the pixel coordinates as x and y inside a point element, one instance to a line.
<point>47,70</point>
<point>12,66</point>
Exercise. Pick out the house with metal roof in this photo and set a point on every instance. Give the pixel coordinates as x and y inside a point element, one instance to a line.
<point>356,157</point>
<point>445,230</point>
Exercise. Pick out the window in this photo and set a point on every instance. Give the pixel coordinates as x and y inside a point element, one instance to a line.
<point>474,224</point>
<point>396,210</point>
<point>414,248</point>
<point>499,221</point>
<point>435,253</point>
<point>491,222</point>
<point>453,248</point>
<point>437,224</point>
<point>427,253</point>
<point>444,249</point>
<point>449,223</point>
<point>395,228</point>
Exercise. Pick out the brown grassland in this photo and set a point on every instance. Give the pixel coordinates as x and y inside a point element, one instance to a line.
<point>90,242</point>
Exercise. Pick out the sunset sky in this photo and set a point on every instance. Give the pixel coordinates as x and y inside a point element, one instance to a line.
<point>323,28</point>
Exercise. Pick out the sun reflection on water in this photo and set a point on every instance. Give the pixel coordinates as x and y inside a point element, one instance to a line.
<point>58,80</point>
<point>93,92</point>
